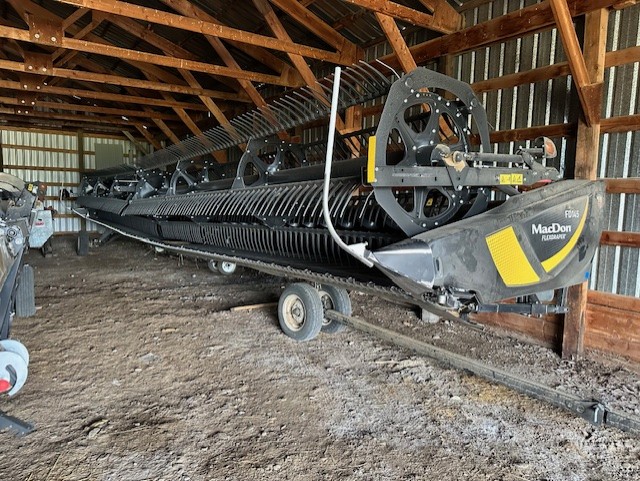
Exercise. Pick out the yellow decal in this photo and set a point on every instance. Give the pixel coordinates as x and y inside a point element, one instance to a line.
<point>553,261</point>
<point>371,160</point>
<point>30,187</point>
<point>511,179</point>
<point>509,258</point>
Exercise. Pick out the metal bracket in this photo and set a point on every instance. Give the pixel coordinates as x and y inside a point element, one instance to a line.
<point>38,62</point>
<point>45,31</point>
<point>18,426</point>
<point>593,411</point>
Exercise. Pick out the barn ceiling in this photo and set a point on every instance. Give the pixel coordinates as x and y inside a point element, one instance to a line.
<point>166,69</point>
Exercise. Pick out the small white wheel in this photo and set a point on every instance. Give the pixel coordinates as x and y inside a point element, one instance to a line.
<point>336,299</point>
<point>300,312</point>
<point>227,268</point>
<point>213,266</point>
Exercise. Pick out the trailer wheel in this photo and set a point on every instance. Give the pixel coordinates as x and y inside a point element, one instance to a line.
<point>337,299</point>
<point>227,268</point>
<point>82,246</point>
<point>213,266</point>
<point>300,312</point>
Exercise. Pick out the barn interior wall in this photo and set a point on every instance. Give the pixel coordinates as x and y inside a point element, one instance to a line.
<point>53,157</point>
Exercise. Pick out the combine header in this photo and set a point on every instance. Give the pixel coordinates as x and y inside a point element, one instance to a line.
<point>420,208</point>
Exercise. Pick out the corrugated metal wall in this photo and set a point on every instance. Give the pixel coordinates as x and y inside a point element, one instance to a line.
<point>52,157</point>
<point>617,269</point>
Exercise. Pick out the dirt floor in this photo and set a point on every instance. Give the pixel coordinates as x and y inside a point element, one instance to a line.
<point>139,371</point>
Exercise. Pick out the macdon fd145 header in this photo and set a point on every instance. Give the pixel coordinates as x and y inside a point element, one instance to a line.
<point>419,205</point>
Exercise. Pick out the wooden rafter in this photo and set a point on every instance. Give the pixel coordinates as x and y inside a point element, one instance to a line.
<point>73,107</point>
<point>447,22</point>
<point>399,46</point>
<point>122,81</point>
<point>188,9</point>
<point>170,48</point>
<point>317,26</point>
<point>199,26</point>
<point>101,95</point>
<point>589,93</point>
<point>587,148</point>
<point>162,60</point>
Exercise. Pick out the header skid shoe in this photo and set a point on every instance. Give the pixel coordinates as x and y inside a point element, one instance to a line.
<point>541,240</point>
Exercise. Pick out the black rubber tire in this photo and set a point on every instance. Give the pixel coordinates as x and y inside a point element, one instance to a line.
<point>337,299</point>
<point>227,268</point>
<point>300,312</point>
<point>25,300</point>
<point>82,246</point>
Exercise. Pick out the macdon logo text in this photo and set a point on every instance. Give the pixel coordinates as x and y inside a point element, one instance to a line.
<point>553,231</point>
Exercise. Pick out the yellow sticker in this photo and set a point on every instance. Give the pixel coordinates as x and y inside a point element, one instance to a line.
<point>30,187</point>
<point>511,179</point>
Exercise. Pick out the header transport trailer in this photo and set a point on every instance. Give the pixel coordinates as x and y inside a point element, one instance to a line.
<point>420,208</point>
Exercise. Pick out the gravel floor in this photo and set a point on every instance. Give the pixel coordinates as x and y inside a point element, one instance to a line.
<point>140,371</point>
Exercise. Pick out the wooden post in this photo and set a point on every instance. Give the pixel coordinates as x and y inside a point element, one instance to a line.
<point>587,148</point>
<point>81,167</point>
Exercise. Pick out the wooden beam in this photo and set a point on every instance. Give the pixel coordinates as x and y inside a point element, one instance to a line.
<point>199,26</point>
<point>629,185</point>
<point>122,81</point>
<point>309,20</point>
<point>136,142</point>
<point>188,9</point>
<point>515,24</point>
<point>623,123</point>
<point>616,238</point>
<point>613,324</point>
<point>399,46</point>
<point>147,135</point>
<point>586,162</point>
<point>443,24</point>
<point>30,112</point>
<point>74,17</point>
<point>166,131</point>
<point>588,92</point>
<point>163,60</point>
<point>100,95</point>
<point>90,108</point>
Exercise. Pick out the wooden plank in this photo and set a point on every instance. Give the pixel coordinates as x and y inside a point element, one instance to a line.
<point>545,331</point>
<point>589,92</point>
<point>512,25</point>
<point>623,123</point>
<point>528,133</point>
<point>630,185</point>
<point>399,46</point>
<point>71,133</point>
<point>208,28</point>
<point>309,20</point>
<point>617,238</point>
<point>45,169</point>
<point>586,162</point>
<point>155,59</point>
<point>444,24</point>
<point>118,80</point>
<point>111,97</point>
<point>608,299</point>
<point>90,108</point>
<point>613,327</point>
<point>37,148</point>
<point>188,9</point>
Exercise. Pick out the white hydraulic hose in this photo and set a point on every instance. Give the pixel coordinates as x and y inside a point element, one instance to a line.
<point>356,250</point>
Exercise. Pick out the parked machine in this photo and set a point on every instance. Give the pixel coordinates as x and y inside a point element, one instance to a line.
<point>19,219</point>
<point>420,207</point>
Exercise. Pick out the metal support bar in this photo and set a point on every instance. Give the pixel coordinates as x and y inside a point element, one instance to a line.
<point>593,411</point>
